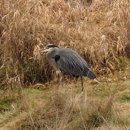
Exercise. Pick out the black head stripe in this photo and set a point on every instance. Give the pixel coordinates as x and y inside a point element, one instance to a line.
<point>51,46</point>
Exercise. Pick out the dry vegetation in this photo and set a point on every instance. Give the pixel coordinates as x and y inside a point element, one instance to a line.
<point>99,107</point>
<point>100,34</point>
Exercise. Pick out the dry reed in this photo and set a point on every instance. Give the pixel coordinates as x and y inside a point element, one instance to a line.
<point>98,33</point>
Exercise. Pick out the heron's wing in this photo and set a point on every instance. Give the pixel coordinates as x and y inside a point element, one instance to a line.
<point>69,62</point>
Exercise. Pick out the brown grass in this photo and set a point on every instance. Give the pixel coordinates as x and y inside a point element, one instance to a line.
<point>50,106</point>
<point>99,34</point>
<point>67,109</point>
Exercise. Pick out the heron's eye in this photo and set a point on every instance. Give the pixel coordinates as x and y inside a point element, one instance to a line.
<point>47,47</point>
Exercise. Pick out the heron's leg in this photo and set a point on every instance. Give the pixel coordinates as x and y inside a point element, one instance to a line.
<point>61,79</point>
<point>59,76</point>
<point>82,84</point>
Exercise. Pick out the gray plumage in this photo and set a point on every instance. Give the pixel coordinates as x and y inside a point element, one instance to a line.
<point>68,61</point>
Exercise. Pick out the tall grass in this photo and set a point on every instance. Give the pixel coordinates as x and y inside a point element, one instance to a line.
<point>98,33</point>
<point>67,110</point>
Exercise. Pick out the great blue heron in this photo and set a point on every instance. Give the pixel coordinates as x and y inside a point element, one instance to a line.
<point>68,62</point>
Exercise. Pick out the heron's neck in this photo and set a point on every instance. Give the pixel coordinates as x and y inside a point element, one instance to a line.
<point>51,54</point>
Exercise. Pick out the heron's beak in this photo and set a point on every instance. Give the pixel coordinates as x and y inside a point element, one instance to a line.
<point>45,50</point>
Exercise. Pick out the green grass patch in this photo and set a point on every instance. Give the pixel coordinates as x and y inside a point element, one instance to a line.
<point>36,93</point>
<point>5,103</point>
<point>125,96</point>
<point>99,91</point>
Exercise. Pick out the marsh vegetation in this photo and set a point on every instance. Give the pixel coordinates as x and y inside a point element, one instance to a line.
<point>30,97</point>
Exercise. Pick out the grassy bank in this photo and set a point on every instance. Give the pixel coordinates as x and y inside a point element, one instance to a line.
<point>104,106</point>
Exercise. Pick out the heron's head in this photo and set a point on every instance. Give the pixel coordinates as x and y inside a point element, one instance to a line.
<point>49,48</point>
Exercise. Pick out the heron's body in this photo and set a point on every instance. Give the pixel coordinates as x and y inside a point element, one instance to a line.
<point>68,61</point>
